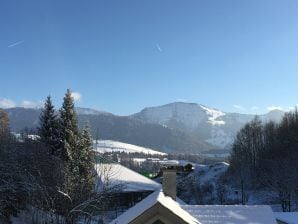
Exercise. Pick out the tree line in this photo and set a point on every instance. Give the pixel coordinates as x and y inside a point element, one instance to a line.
<point>264,156</point>
<point>54,174</point>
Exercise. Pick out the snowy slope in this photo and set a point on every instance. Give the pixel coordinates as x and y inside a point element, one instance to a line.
<point>114,146</point>
<point>195,119</point>
<point>89,111</point>
<point>287,217</point>
<point>214,115</point>
<point>188,115</point>
<point>210,173</point>
<point>220,137</point>
<point>204,179</point>
<point>213,126</point>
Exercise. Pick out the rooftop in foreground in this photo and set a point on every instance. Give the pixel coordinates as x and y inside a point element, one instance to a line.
<point>158,207</point>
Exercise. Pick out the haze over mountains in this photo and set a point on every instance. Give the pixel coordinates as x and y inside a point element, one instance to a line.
<point>175,127</point>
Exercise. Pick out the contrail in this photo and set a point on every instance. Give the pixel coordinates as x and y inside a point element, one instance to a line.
<point>158,48</point>
<point>16,43</point>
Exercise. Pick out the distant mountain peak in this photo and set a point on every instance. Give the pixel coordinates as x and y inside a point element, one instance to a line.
<point>89,111</point>
<point>214,126</point>
<point>276,111</point>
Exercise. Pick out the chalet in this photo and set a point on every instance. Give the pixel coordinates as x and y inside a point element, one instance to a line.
<point>161,207</point>
<point>127,187</point>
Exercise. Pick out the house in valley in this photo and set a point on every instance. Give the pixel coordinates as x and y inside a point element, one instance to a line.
<point>162,207</point>
<point>126,186</point>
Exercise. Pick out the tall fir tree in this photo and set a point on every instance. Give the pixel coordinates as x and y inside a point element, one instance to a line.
<point>77,155</point>
<point>4,121</point>
<point>69,132</point>
<point>82,166</point>
<point>48,127</point>
<point>87,156</point>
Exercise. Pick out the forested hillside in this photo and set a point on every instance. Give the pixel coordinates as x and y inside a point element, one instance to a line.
<point>264,156</point>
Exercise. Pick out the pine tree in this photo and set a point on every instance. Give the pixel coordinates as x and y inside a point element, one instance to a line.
<point>69,136</point>
<point>78,158</point>
<point>4,122</point>
<point>4,129</point>
<point>48,127</point>
<point>87,158</point>
<point>82,167</point>
<point>69,131</point>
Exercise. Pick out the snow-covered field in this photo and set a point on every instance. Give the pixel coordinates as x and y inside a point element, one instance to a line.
<point>287,217</point>
<point>103,146</point>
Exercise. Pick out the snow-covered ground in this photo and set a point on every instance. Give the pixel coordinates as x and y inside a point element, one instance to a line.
<point>207,180</point>
<point>189,115</point>
<point>103,146</point>
<point>210,173</point>
<point>200,186</point>
<point>287,217</point>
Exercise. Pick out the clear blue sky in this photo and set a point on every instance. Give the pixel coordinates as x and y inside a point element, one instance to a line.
<point>122,56</point>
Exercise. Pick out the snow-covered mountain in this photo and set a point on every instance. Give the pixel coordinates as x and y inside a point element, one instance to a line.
<point>189,115</point>
<point>119,128</point>
<point>176,127</point>
<point>88,111</point>
<point>213,126</point>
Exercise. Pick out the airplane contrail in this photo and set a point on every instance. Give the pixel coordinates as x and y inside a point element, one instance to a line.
<point>16,43</point>
<point>158,48</point>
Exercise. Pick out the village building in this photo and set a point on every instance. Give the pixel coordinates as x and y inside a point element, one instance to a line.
<point>162,207</point>
<point>126,187</point>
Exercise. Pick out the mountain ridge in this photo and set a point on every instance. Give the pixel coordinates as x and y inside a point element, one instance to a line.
<point>174,127</point>
<point>211,125</point>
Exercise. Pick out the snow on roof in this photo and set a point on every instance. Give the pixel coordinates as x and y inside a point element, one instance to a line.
<point>231,214</point>
<point>116,175</point>
<point>287,217</point>
<point>151,200</point>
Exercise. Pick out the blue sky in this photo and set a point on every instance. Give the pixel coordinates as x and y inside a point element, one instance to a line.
<point>121,56</point>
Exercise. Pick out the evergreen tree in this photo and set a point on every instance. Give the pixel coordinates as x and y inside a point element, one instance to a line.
<point>69,131</point>
<point>78,157</point>
<point>48,127</point>
<point>87,155</point>
<point>4,122</point>
<point>82,166</point>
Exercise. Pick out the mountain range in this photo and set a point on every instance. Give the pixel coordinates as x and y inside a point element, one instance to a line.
<point>176,127</point>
